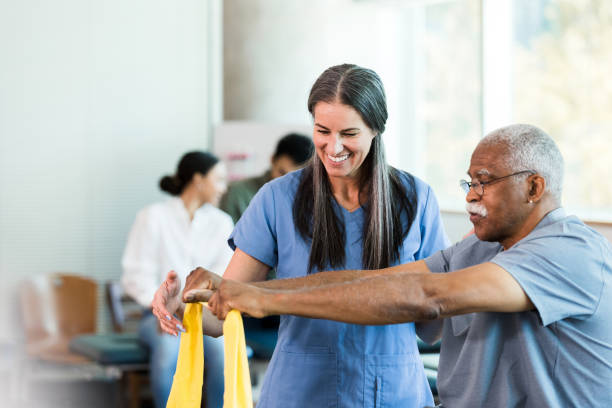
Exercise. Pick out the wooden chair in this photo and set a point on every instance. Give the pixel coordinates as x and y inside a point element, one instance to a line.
<point>55,308</point>
<point>125,313</point>
<point>125,316</point>
<point>120,350</point>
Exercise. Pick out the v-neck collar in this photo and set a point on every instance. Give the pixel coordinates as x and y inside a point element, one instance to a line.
<point>346,212</point>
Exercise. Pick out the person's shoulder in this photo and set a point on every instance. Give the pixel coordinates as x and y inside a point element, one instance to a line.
<point>412,182</point>
<point>250,184</point>
<point>578,227</point>
<point>471,248</point>
<point>155,215</point>
<point>571,232</point>
<point>216,215</point>
<point>157,209</point>
<point>285,184</point>
<point>240,188</point>
<point>562,225</point>
<point>416,186</point>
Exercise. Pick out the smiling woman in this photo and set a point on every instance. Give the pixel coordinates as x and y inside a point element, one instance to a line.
<point>348,105</point>
<point>347,209</point>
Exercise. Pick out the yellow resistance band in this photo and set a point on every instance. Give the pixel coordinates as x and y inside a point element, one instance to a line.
<point>237,378</point>
<point>187,385</point>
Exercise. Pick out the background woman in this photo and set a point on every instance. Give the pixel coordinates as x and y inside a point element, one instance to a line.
<point>348,209</point>
<point>179,234</point>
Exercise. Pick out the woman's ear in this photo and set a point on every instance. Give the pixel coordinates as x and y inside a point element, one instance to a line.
<point>197,180</point>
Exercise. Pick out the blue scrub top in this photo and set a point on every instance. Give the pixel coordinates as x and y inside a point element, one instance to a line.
<point>322,363</point>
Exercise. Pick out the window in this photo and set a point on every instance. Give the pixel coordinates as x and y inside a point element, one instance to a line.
<point>562,59</point>
<point>453,71</point>
<point>448,114</point>
<point>495,62</point>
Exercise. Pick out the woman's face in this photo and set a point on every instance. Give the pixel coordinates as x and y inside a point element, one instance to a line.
<point>341,138</point>
<point>214,184</point>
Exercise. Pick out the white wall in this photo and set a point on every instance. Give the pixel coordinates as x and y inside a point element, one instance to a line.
<point>98,99</point>
<point>274,50</point>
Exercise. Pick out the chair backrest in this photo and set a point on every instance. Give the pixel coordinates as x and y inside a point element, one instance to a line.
<point>58,305</point>
<point>124,311</point>
<point>115,306</point>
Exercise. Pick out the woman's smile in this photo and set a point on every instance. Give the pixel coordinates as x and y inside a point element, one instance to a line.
<point>338,159</point>
<point>341,138</point>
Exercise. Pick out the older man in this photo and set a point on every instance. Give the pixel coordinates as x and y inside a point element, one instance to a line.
<point>527,300</point>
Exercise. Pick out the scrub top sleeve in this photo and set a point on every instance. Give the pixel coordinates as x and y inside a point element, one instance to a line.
<point>562,275</point>
<point>433,236</point>
<point>255,232</point>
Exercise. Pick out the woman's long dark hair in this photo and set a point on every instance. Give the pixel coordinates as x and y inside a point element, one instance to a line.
<point>388,200</point>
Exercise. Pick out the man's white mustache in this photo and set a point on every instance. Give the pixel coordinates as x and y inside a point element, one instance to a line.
<point>476,208</point>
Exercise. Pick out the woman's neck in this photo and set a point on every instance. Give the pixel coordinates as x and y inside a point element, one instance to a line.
<point>190,200</point>
<point>346,192</point>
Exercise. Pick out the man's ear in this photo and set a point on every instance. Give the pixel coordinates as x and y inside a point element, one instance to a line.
<point>537,187</point>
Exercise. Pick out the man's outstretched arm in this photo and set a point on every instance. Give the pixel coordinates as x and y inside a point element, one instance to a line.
<point>326,278</point>
<point>384,299</point>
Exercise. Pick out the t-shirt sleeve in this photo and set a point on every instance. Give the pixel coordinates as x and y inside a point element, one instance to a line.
<point>440,261</point>
<point>433,236</point>
<point>561,274</point>
<point>255,232</point>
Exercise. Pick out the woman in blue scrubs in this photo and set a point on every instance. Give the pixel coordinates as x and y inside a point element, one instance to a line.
<point>348,209</point>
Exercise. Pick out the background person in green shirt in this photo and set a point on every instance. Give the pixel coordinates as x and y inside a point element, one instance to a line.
<point>292,152</point>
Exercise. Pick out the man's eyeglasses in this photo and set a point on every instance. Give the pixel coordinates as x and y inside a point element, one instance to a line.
<point>478,187</point>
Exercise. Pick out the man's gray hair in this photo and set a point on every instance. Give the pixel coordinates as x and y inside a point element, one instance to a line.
<point>530,148</point>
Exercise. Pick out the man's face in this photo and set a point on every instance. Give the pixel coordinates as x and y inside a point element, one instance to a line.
<point>502,209</point>
<point>282,165</point>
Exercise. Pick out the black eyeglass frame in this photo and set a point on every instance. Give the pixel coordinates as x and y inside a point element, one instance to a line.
<point>469,185</point>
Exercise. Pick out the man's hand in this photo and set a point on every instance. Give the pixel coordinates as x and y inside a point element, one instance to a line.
<point>231,294</point>
<point>167,302</point>
<point>204,282</point>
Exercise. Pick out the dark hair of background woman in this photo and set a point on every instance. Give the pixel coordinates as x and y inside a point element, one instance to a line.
<point>190,163</point>
<point>388,199</point>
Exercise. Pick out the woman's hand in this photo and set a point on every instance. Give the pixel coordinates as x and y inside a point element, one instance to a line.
<point>167,302</point>
<point>202,280</point>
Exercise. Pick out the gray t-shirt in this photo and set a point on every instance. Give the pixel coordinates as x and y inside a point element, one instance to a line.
<point>558,355</point>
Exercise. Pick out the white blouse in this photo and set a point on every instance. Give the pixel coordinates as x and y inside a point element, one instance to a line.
<point>163,238</point>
